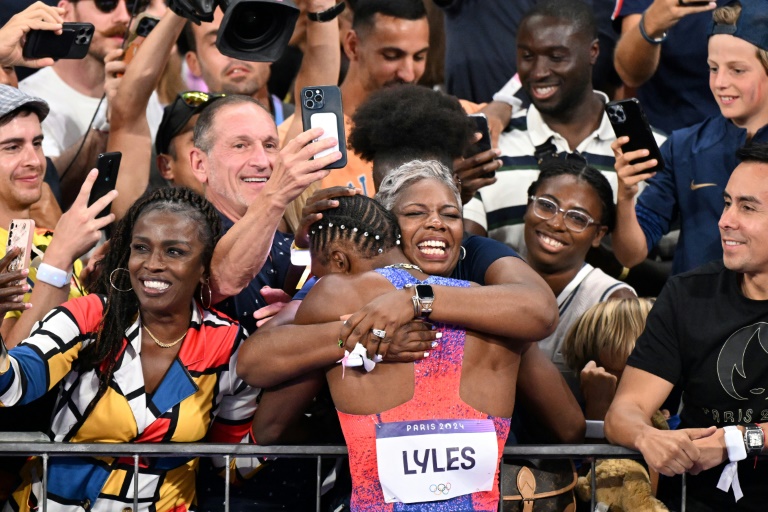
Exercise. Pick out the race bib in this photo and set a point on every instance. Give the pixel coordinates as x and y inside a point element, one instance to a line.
<point>432,460</point>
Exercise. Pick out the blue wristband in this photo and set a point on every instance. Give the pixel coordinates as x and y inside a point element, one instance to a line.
<point>651,40</point>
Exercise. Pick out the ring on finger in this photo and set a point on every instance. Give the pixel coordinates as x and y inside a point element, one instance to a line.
<point>379,333</point>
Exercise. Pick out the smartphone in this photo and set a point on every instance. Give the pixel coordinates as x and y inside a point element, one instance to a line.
<point>628,119</point>
<point>484,144</point>
<point>108,165</point>
<point>20,234</point>
<point>321,107</point>
<point>695,3</point>
<point>141,28</point>
<point>73,43</point>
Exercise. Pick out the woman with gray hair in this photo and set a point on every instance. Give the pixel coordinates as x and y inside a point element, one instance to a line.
<point>411,172</point>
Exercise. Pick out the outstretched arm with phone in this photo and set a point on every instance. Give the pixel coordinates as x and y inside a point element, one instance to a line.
<point>129,129</point>
<point>636,59</point>
<point>76,233</point>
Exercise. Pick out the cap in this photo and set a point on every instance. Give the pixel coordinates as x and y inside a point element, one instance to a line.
<point>177,115</point>
<point>11,99</point>
<point>752,25</point>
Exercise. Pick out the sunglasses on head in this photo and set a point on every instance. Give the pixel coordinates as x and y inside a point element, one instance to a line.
<point>133,6</point>
<point>196,98</point>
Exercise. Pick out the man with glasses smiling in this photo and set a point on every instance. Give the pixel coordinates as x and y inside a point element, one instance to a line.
<point>74,88</point>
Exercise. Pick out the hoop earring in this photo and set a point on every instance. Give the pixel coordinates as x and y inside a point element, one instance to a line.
<point>112,279</point>
<point>463,253</point>
<point>210,294</point>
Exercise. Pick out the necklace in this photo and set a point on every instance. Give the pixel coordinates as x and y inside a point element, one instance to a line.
<point>407,266</point>
<point>160,343</point>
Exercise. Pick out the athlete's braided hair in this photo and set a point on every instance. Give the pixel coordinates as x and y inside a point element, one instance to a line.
<point>122,307</point>
<point>360,220</point>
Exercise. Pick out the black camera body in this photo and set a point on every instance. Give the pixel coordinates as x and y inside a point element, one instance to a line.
<point>253,30</point>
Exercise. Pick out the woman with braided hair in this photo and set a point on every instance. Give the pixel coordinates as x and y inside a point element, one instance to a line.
<point>143,359</point>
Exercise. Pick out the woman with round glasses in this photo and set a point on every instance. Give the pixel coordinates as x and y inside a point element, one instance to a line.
<point>570,209</point>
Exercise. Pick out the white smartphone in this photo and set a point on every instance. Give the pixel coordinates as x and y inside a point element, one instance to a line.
<point>20,234</point>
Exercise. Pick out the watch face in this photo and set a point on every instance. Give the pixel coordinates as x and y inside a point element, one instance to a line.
<point>424,291</point>
<point>754,439</point>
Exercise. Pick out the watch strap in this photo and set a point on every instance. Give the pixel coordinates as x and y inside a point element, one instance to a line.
<point>53,276</point>
<point>328,14</point>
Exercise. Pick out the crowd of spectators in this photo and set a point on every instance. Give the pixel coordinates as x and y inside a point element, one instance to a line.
<point>429,302</point>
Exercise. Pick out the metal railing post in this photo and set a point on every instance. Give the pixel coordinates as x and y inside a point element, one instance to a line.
<point>319,482</point>
<point>227,459</point>
<point>593,483</point>
<point>45,482</point>
<point>135,482</point>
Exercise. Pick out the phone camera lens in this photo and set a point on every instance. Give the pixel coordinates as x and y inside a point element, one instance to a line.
<point>308,94</point>
<point>310,104</point>
<point>319,98</point>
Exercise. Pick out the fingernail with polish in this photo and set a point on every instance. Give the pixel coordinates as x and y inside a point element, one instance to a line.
<point>426,354</point>
<point>434,344</point>
<point>438,335</point>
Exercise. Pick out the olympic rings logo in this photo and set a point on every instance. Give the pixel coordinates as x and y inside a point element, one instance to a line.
<point>438,489</point>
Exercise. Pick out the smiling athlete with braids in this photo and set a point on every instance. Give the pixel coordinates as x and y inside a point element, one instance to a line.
<point>141,360</point>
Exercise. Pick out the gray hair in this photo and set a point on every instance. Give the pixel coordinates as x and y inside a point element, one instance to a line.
<point>400,178</point>
<point>202,135</point>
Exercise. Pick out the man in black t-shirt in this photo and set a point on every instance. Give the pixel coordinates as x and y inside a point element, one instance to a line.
<point>708,333</point>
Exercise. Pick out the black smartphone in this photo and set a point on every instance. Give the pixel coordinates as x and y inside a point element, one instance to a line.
<point>628,120</point>
<point>321,107</point>
<point>73,43</point>
<point>484,144</point>
<point>108,165</point>
<point>695,3</point>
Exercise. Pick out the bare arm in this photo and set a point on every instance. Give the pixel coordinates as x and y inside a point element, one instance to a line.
<point>241,253</point>
<point>628,240</point>
<point>76,233</point>
<point>635,59</point>
<point>628,423</point>
<point>543,392</point>
<point>322,59</point>
<point>515,304</point>
<point>129,129</point>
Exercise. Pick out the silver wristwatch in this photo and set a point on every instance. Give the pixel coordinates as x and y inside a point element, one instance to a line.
<point>754,438</point>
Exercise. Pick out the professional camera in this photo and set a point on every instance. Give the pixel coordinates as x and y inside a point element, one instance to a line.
<point>255,30</point>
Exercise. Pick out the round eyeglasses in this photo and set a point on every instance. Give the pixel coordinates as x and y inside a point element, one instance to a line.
<point>574,220</point>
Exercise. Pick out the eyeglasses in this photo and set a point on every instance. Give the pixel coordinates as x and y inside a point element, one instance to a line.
<point>196,98</point>
<point>574,220</point>
<point>133,6</point>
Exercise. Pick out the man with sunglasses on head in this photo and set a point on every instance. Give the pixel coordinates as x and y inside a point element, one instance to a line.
<point>74,90</point>
<point>557,48</point>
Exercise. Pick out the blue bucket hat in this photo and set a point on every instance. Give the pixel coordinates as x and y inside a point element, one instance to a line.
<point>752,25</point>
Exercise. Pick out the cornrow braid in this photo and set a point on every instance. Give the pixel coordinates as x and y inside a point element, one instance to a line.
<point>122,307</point>
<point>360,220</point>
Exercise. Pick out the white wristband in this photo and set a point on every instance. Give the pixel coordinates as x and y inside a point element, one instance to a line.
<point>734,443</point>
<point>53,276</point>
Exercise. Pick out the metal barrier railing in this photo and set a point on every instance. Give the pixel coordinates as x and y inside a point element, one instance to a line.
<point>38,444</point>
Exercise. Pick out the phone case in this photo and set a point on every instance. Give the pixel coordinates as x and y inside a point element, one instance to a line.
<point>484,144</point>
<point>108,164</point>
<point>73,43</point>
<point>321,107</point>
<point>628,119</point>
<point>143,26</point>
<point>20,234</point>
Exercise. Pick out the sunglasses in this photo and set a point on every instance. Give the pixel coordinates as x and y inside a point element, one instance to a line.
<point>134,6</point>
<point>574,220</point>
<point>196,98</point>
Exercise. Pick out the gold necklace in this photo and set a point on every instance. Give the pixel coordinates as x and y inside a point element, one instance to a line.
<point>160,343</point>
<point>409,266</point>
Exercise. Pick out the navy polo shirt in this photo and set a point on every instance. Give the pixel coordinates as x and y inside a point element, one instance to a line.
<point>680,85</point>
<point>698,161</point>
<point>242,306</point>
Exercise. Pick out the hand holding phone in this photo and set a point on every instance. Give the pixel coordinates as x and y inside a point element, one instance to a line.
<point>73,43</point>
<point>107,164</point>
<point>141,28</point>
<point>321,108</point>
<point>20,235</point>
<point>484,144</point>
<point>628,120</point>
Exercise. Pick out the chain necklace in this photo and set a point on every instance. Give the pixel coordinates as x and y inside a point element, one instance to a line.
<point>160,343</point>
<point>407,266</point>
